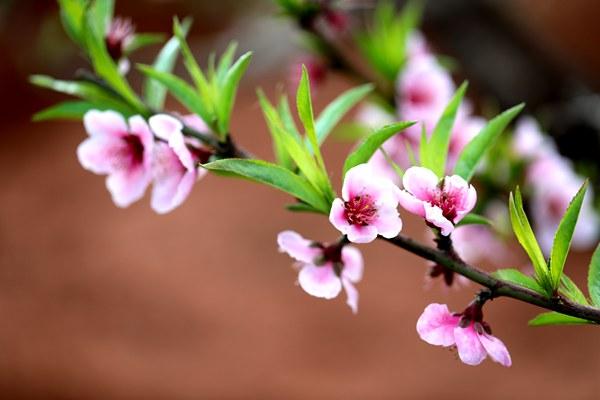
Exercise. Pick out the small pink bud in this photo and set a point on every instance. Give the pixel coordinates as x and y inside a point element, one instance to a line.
<point>119,35</point>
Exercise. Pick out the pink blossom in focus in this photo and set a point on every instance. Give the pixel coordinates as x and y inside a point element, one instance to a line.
<point>368,206</point>
<point>443,203</point>
<point>175,164</point>
<point>471,336</point>
<point>423,90</point>
<point>324,269</point>
<point>121,151</point>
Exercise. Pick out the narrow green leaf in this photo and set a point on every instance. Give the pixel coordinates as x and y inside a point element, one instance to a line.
<point>594,277</point>
<point>225,63</point>
<point>474,219</point>
<point>563,236</point>
<point>101,12</point>
<point>141,40</point>
<point>182,91</point>
<point>370,144</point>
<point>305,112</point>
<point>228,91</point>
<point>480,144</point>
<point>554,318</point>
<point>526,238</point>
<point>572,291</point>
<point>286,117</point>
<point>334,112</point>
<point>155,92</point>
<point>436,149</point>
<point>515,276</point>
<point>273,175</point>
<point>276,129</point>
<point>106,68</point>
<point>65,110</point>
<point>302,207</point>
<point>71,15</point>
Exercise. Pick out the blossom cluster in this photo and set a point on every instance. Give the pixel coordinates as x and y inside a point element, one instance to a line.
<point>135,153</point>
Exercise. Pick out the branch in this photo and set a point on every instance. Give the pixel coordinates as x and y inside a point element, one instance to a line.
<point>498,287</point>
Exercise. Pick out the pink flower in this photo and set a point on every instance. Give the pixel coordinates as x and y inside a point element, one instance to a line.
<point>529,141</point>
<point>175,164</point>
<point>119,35</point>
<point>324,269</point>
<point>417,46</point>
<point>424,89</point>
<point>466,127</point>
<point>122,152</point>
<point>442,203</point>
<point>368,206</point>
<point>471,336</point>
<point>475,243</point>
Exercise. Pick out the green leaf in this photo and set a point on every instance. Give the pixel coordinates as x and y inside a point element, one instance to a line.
<point>302,207</point>
<point>225,63</point>
<point>594,277</point>
<point>526,238</point>
<point>273,175</point>
<point>305,112</point>
<point>101,12</point>
<point>515,276</point>
<point>276,129</point>
<point>85,90</point>
<point>554,318</point>
<point>370,144</point>
<point>563,236</point>
<point>571,291</point>
<point>154,91</point>
<point>436,148</point>
<point>474,219</point>
<point>106,68</point>
<point>285,114</point>
<point>71,15</point>
<point>65,110</point>
<point>183,92</point>
<point>227,93</point>
<point>333,113</point>
<point>480,144</point>
<point>141,40</point>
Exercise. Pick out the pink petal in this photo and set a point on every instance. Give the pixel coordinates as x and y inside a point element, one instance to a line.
<point>361,234</point>
<point>470,349</point>
<point>298,247</point>
<point>164,126</point>
<point>436,325</point>
<point>388,222</point>
<point>172,182</point>
<point>100,154</point>
<point>104,123</point>
<point>195,122</point>
<point>420,182</point>
<point>127,187</point>
<point>496,349</point>
<point>433,215</point>
<point>337,216</point>
<point>411,204</point>
<point>361,180</point>
<point>353,263</point>
<point>319,281</point>
<point>352,295</point>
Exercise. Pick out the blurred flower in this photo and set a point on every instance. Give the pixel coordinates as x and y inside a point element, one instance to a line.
<point>466,127</point>
<point>368,206</point>
<point>119,35</point>
<point>474,243</point>
<point>442,203</point>
<point>122,152</point>
<point>424,89</point>
<point>324,269</point>
<point>529,141</point>
<point>467,331</point>
<point>417,45</point>
<point>175,164</point>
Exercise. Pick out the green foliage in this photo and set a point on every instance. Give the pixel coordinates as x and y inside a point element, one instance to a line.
<point>66,110</point>
<point>526,238</point>
<point>594,277</point>
<point>474,219</point>
<point>517,277</point>
<point>384,45</point>
<point>563,236</point>
<point>569,289</point>
<point>335,111</point>
<point>365,150</point>
<point>554,318</point>
<point>72,17</point>
<point>154,91</point>
<point>275,176</point>
<point>141,40</point>
<point>434,151</point>
<point>305,113</point>
<point>475,150</point>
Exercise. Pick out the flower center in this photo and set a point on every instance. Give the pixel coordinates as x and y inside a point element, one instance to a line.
<point>119,33</point>
<point>360,210</point>
<point>135,149</point>
<point>447,203</point>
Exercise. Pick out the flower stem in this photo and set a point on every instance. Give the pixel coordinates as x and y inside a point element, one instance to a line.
<point>498,287</point>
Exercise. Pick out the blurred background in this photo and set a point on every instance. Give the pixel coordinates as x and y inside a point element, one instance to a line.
<point>98,302</point>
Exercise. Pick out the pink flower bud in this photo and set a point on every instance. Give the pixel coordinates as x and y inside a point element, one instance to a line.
<point>122,151</point>
<point>368,206</point>
<point>467,331</point>
<point>118,36</point>
<point>324,269</point>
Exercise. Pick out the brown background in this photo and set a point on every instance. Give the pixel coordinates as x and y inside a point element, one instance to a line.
<point>102,303</point>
